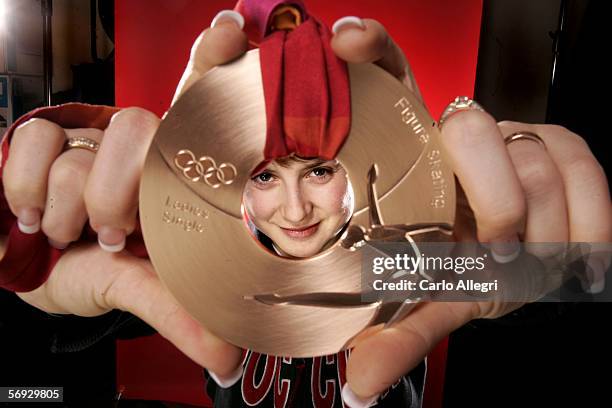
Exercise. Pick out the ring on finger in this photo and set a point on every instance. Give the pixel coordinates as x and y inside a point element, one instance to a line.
<point>80,142</point>
<point>461,103</point>
<point>524,136</point>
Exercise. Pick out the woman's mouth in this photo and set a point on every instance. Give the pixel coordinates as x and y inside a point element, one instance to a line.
<point>299,233</point>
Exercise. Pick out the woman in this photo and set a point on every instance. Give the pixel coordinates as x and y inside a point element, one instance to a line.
<point>126,282</point>
<point>299,206</point>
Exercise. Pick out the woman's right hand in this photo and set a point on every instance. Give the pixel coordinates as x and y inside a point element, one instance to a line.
<point>59,190</point>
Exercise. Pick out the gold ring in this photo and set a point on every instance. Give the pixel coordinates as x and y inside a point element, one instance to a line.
<point>524,136</point>
<point>82,143</point>
<point>460,103</point>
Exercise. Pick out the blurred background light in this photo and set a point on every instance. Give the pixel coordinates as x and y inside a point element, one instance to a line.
<point>3,13</point>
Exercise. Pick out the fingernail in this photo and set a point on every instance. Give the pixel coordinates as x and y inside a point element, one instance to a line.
<point>28,221</point>
<point>460,103</point>
<point>348,21</point>
<point>111,239</point>
<point>596,276</point>
<point>353,401</point>
<point>58,244</point>
<point>229,380</point>
<point>505,251</point>
<point>228,15</point>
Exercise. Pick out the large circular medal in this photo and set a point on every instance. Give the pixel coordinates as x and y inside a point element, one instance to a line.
<point>190,209</point>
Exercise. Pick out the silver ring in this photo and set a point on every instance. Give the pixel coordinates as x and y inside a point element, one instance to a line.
<point>82,143</point>
<point>460,103</point>
<point>524,136</point>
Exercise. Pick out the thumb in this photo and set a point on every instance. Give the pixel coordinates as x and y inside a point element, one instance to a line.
<point>380,359</point>
<point>358,41</point>
<point>88,281</point>
<point>139,291</point>
<point>219,44</point>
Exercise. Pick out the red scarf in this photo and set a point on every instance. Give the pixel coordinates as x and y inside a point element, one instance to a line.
<point>306,86</point>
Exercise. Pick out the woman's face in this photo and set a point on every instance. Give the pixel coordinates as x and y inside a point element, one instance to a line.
<point>300,204</point>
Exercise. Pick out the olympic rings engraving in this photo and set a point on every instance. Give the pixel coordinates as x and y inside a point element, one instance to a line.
<point>204,168</point>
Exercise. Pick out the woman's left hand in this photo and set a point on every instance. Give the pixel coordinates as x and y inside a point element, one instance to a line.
<point>522,191</point>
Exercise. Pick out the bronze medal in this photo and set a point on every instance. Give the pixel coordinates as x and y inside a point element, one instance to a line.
<point>191,210</point>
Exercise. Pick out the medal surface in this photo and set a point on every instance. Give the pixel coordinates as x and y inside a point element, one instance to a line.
<point>190,210</point>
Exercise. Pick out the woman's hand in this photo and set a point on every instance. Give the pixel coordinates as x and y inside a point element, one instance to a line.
<point>520,191</point>
<point>562,186</point>
<point>59,190</point>
<point>88,281</point>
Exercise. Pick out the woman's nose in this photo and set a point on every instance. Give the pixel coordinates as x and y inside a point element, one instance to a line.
<point>297,206</point>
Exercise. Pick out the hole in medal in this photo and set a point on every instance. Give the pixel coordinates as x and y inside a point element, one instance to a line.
<point>298,207</point>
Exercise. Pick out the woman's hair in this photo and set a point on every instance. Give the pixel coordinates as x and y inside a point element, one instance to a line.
<point>286,160</point>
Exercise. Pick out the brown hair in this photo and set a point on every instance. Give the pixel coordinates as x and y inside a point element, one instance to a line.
<point>286,160</point>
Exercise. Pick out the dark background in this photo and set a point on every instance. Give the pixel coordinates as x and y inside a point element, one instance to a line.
<point>546,354</point>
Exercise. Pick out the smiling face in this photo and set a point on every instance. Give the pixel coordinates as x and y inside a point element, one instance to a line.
<point>301,205</point>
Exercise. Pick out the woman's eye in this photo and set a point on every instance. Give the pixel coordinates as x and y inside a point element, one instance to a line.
<point>263,178</point>
<point>321,173</point>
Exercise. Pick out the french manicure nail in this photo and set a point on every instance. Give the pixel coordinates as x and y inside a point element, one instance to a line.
<point>28,221</point>
<point>229,380</point>
<point>505,251</point>
<point>111,239</point>
<point>348,21</point>
<point>228,15</point>
<point>584,280</point>
<point>596,276</point>
<point>353,401</point>
<point>58,244</point>
<point>597,287</point>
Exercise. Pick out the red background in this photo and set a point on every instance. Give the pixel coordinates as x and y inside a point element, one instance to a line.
<point>440,38</point>
<point>153,39</point>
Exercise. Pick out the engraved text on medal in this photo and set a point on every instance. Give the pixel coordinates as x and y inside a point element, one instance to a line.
<point>184,215</point>
<point>434,160</point>
<point>409,117</point>
<point>436,172</point>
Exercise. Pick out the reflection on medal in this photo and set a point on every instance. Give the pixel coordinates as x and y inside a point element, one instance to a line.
<point>190,209</point>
